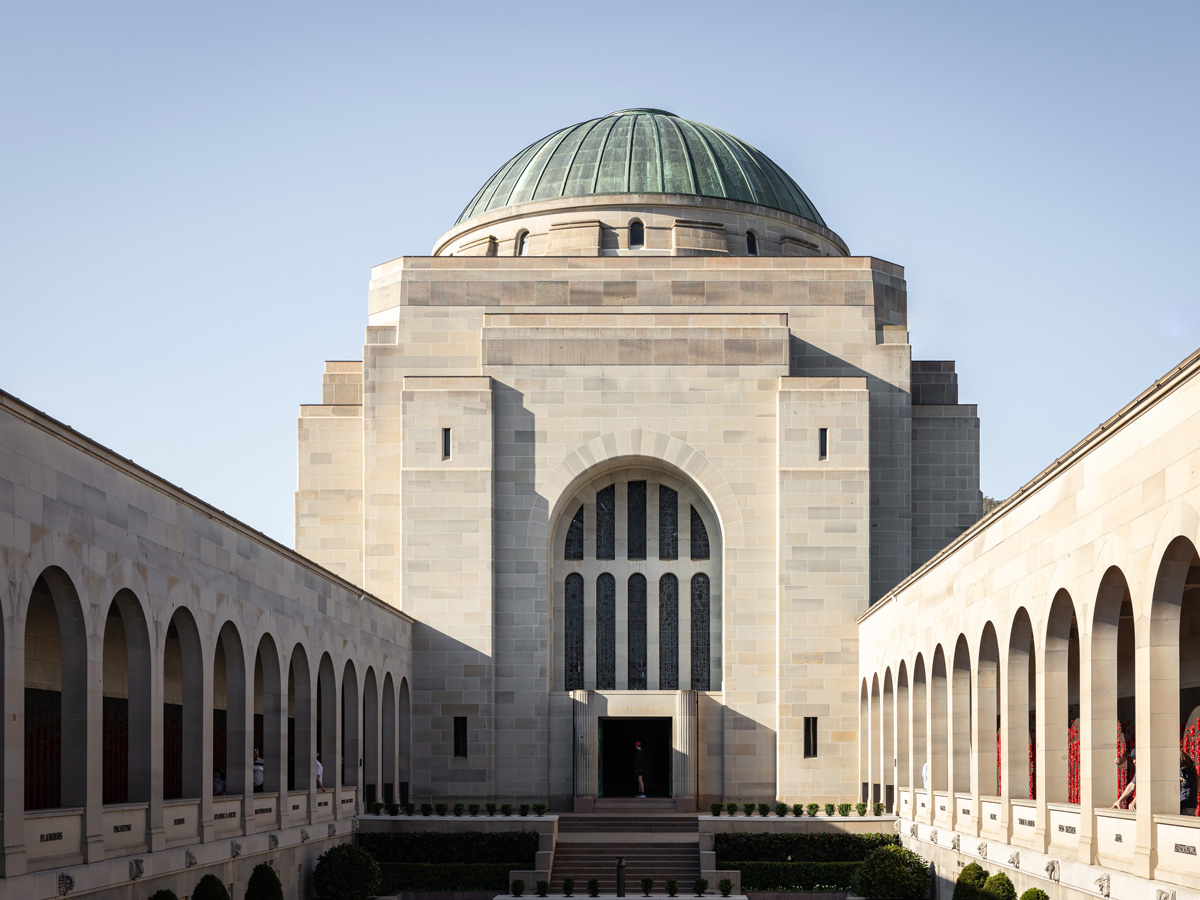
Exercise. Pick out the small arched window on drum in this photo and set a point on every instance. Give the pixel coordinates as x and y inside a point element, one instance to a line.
<point>751,243</point>
<point>637,235</point>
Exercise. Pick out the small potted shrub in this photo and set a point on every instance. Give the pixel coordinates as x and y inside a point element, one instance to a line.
<point>830,809</point>
<point>377,808</point>
<point>731,809</point>
<point>346,870</point>
<point>860,808</point>
<point>568,887</point>
<point>410,809</point>
<point>999,887</point>
<point>517,888</point>
<point>764,809</point>
<point>648,883</point>
<point>263,884</point>
<point>506,809</point>
<point>164,894</point>
<point>523,809</point>
<point>715,809</point>
<point>210,888</point>
<point>726,886</point>
<point>593,887</point>
<point>748,808</point>
<point>894,873</point>
<point>393,809</point>
<point>1035,894</point>
<point>427,809</point>
<point>542,888</point>
<point>490,807</point>
<point>701,885</point>
<point>673,886</point>
<point>459,808</point>
<point>781,809</point>
<point>441,808</point>
<point>539,809</point>
<point>473,809</point>
<point>812,809</point>
<point>969,885</point>
<point>879,809</point>
<point>843,809</point>
<point>797,809</point>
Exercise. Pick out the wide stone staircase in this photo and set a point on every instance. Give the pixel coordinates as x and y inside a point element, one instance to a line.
<point>656,843</point>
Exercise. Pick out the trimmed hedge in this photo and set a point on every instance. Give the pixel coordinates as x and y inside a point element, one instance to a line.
<point>458,876</point>
<point>893,873</point>
<point>457,847</point>
<point>793,876</point>
<point>830,847</point>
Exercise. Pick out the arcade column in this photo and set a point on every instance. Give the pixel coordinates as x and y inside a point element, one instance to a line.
<point>587,757</point>
<point>686,743</point>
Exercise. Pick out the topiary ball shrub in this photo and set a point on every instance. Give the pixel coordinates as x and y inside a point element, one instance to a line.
<point>879,809</point>
<point>969,885</point>
<point>893,873</point>
<point>491,808</point>
<point>263,884</point>
<point>999,887</point>
<point>346,872</point>
<point>164,894</point>
<point>393,809</point>
<point>506,809</point>
<point>731,808</point>
<point>523,809</point>
<point>781,809</point>
<point>440,808</point>
<point>210,888</point>
<point>748,808</point>
<point>568,887</point>
<point>427,809</point>
<point>764,809</point>
<point>700,885</point>
<point>593,887</point>
<point>673,885</point>
<point>843,809</point>
<point>812,809</point>
<point>797,809</point>
<point>377,808</point>
<point>1035,894</point>
<point>459,808</point>
<point>648,883</point>
<point>830,809</point>
<point>542,888</point>
<point>715,809</point>
<point>517,887</point>
<point>860,808</point>
<point>539,809</point>
<point>725,885</point>
<point>410,809</point>
<point>473,808</point>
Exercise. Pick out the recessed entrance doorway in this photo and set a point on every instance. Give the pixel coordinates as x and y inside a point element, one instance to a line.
<point>617,747</point>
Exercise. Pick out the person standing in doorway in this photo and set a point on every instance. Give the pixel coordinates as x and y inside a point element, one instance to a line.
<point>259,767</point>
<point>639,767</point>
<point>320,774</point>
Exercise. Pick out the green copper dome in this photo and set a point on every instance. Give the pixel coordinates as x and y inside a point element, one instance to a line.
<point>641,151</point>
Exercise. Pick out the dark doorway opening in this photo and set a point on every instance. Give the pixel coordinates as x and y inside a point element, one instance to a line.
<point>617,738</point>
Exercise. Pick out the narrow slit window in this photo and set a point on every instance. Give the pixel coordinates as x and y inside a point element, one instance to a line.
<point>668,523</point>
<point>636,616</point>
<point>460,736</point>
<point>635,519</point>
<point>699,537</point>
<point>573,548</point>
<point>523,244</point>
<point>823,443</point>
<point>606,632</point>
<point>751,243</point>
<point>810,737</point>
<point>445,443</point>
<point>573,628</point>
<point>637,235</point>
<point>668,633</point>
<point>606,523</point>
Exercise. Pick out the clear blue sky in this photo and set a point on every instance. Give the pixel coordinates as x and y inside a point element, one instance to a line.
<point>191,196</point>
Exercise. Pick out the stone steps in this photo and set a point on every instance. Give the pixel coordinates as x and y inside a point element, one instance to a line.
<point>572,823</point>
<point>582,861</point>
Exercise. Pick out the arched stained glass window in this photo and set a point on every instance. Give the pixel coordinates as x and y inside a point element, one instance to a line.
<point>668,633</point>
<point>606,633</point>
<point>635,519</point>
<point>699,537</point>
<point>523,244</point>
<point>573,629</point>
<point>606,523</point>
<point>637,632</point>
<point>574,544</point>
<point>700,632</point>
<point>668,523</point>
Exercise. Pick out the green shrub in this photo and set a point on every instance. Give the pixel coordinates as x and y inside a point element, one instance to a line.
<point>1035,894</point>
<point>700,885</point>
<point>346,872</point>
<point>731,808</point>
<point>542,888</point>
<point>491,808</point>
<point>793,876</point>
<point>523,809</point>
<point>393,809</point>
<point>440,808</point>
<point>999,887</point>
<point>410,809</point>
<point>764,809</point>
<point>836,846</point>
<point>715,809</point>
<point>376,808</point>
<point>860,808</point>
<point>473,809</point>
<point>879,809</point>
<point>969,885</point>
<point>516,849</point>
<point>210,888</point>
<point>263,884</point>
<point>164,894</point>
<point>726,886</point>
<point>517,888</point>
<point>797,809</point>
<point>648,883</point>
<point>427,809</point>
<point>781,809</point>
<point>459,808</point>
<point>894,873</point>
<point>539,809</point>
<point>457,876</point>
<point>593,885</point>
<point>830,809</point>
<point>568,887</point>
<point>673,885</point>
<point>812,808</point>
<point>506,809</point>
<point>748,808</point>
<point>843,809</point>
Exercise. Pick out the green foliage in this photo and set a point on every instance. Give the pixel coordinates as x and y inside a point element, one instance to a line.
<point>542,888</point>
<point>781,809</point>
<point>748,808</point>
<point>346,872</point>
<point>648,883</point>
<point>393,809</point>
<point>860,808</point>
<point>812,808</point>
<point>715,809</point>
<point>673,885</point>
<point>410,809</point>
<point>835,846</point>
<point>456,876</point>
<point>506,809</point>
<point>969,885</point>
<point>568,887</point>
<point>830,809</point>
<point>377,808</point>
<point>700,885</point>
<point>797,809</point>
<point>440,808</point>
<point>517,849</point>
<point>1035,894</point>
<point>793,876</point>
<point>764,809</point>
<point>593,885</point>
<point>731,808</point>
<point>879,809</point>
<point>999,887</point>
<point>490,807</point>
<point>843,809</point>
<point>164,894</point>
<point>517,888</point>
<point>473,809</point>
<point>427,809</point>
<point>210,888</point>
<point>459,808</point>
<point>895,873</point>
<point>539,809</point>
<point>263,884</point>
<point>725,885</point>
<point>523,809</point>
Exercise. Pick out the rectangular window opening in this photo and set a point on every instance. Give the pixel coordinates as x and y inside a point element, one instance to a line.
<point>445,443</point>
<point>823,443</point>
<point>460,736</point>
<point>810,733</point>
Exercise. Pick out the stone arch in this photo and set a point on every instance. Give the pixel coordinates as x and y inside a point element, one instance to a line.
<point>920,723</point>
<point>939,721</point>
<point>904,779</point>
<point>351,748</point>
<point>56,686</point>
<point>370,738</point>
<point>404,739</point>
<point>269,734</point>
<point>232,731</point>
<point>988,717</point>
<point>960,717</point>
<point>864,746</point>
<point>328,739</point>
<point>126,689</point>
<point>387,771</point>
<point>182,665</point>
<point>1060,659</point>
<point>1113,694</point>
<point>887,737</point>
<point>873,749</point>
<point>1021,713</point>
<point>301,730</point>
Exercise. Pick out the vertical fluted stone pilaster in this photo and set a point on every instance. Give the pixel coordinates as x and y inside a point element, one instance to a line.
<point>587,753</point>
<point>686,744</point>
